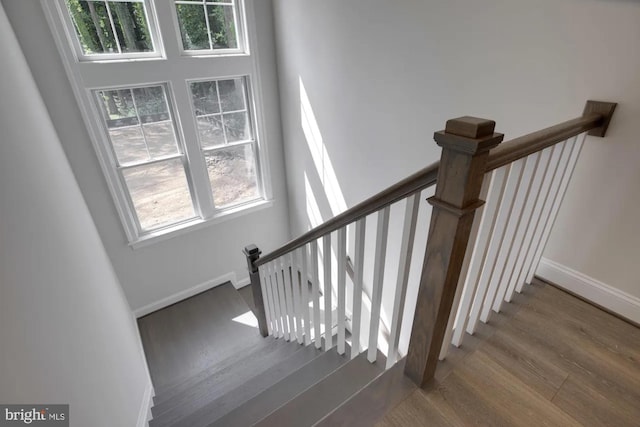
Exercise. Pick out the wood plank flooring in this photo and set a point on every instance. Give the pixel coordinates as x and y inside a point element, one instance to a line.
<point>549,360</point>
<point>184,339</point>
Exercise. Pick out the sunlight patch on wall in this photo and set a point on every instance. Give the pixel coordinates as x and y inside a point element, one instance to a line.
<point>313,210</point>
<point>320,156</point>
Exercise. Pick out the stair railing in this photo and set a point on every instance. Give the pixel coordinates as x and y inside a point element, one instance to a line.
<point>492,213</point>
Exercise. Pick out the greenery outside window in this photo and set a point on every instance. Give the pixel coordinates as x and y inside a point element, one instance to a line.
<point>179,138</point>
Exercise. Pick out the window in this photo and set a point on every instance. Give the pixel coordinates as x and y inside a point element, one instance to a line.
<point>208,25</point>
<point>111,29</point>
<point>175,128</point>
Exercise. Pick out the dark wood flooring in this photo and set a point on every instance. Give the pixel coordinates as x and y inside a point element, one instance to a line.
<point>549,360</point>
<point>185,339</point>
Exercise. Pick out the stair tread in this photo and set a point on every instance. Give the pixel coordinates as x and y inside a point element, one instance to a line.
<point>309,407</point>
<point>259,380</point>
<point>224,376</point>
<point>369,406</point>
<point>253,410</point>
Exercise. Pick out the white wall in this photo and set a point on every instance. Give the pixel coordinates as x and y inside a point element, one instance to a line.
<point>381,77</point>
<point>66,332</point>
<point>163,269</point>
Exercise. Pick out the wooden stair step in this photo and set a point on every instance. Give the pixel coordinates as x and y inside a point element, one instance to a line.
<point>197,391</point>
<point>261,379</point>
<point>281,393</point>
<point>370,404</point>
<point>311,406</point>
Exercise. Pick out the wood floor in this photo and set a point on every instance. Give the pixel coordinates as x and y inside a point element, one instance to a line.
<point>185,339</point>
<point>549,360</point>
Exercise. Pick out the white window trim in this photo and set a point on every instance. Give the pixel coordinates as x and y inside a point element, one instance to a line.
<point>83,92</point>
<point>243,48</point>
<point>154,31</point>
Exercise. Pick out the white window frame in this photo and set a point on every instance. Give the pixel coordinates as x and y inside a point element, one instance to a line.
<point>241,30</point>
<point>154,31</point>
<point>175,70</point>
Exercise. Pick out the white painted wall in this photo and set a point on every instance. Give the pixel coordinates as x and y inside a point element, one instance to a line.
<point>380,77</point>
<point>66,332</point>
<point>161,270</point>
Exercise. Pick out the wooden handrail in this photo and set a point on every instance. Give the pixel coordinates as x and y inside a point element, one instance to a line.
<point>418,181</point>
<point>526,145</point>
<point>595,119</point>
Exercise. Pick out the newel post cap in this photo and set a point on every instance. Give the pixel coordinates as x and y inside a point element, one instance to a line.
<point>252,253</point>
<point>468,134</point>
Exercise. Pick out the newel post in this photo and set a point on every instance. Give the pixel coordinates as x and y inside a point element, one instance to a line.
<point>465,143</point>
<point>253,253</point>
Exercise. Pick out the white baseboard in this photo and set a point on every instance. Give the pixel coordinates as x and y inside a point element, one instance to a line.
<point>241,283</point>
<point>606,296</point>
<point>179,296</point>
<point>145,416</point>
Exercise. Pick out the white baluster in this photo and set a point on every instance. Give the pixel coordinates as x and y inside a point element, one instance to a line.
<point>358,266</point>
<point>288,296</point>
<point>295,285</point>
<point>304,287</point>
<point>341,287</point>
<point>464,270</point>
<point>283,298</point>
<point>508,251</point>
<point>487,221</point>
<point>495,265</point>
<point>315,290</point>
<point>378,276</point>
<point>326,260</point>
<point>525,230</point>
<point>576,147</point>
<point>266,299</point>
<point>276,298</point>
<point>406,250</point>
<point>536,219</point>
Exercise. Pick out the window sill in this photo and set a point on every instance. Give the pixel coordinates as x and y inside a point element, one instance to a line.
<point>198,224</point>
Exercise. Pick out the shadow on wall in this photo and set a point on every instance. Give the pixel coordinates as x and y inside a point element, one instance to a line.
<point>326,202</point>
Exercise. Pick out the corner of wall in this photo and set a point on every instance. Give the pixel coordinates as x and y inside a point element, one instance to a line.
<point>601,294</point>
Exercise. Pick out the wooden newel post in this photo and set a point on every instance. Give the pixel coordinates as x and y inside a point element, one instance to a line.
<point>253,253</point>
<point>465,143</point>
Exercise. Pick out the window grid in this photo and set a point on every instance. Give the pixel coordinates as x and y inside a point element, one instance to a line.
<point>243,155</point>
<point>113,27</point>
<point>212,50</point>
<point>150,22</point>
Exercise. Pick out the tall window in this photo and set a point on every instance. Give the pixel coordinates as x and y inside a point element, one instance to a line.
<point>168,91</point>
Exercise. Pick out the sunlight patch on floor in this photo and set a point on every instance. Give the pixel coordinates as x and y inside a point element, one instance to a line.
<point>248,319</point>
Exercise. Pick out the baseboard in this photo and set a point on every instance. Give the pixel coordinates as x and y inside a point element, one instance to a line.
<point>606,296</point>
<point>179,296</point>
<point>241,283</point>
<point>144,416</point>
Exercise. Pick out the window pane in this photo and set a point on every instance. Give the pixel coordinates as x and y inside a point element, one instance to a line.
<point>205,98</point>
<point>232,172</point>
<point>228,96</point>
<point>222,26</point>
<point>128,144</point>
<point>210,131</point>
<point>131,26</point>
<point>207,26</point>
<point>236,126</point>
<point>123,126</point>
<point>161,139</point>
<point>151,103</point>
<point>134,141</point>
<point>193,26</point>
<point>93,25</point>
<point>232,94</point>
<point>160,193</point>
